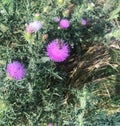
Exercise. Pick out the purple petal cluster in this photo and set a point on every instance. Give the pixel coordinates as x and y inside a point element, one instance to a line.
<point>64,24</point>
<point>16,70</point>
<point>56,19</point>
<point>50,124</point>
<point>58,52</point>
<point>33,27</point>
<point>84,21</point>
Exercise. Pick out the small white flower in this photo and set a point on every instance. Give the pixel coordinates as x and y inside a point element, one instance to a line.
<point>34,26</point>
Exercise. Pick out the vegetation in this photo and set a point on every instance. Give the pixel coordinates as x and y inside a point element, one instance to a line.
<point>84,89</point>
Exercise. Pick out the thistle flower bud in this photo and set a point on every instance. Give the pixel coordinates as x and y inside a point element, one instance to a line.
<point>66,13</point>
<point>36,16</point>
<point>60,2</point>
<point>58,28</point>
<point>44,37</point>
<point>46,9</point>
<point>27,36</point>
<point>3,106</point>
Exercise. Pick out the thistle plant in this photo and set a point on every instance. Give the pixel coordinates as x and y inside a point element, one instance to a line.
<point>50,71</point>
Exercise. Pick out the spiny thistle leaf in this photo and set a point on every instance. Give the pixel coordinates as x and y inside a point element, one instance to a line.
<point>9,5</point>
<point>108,4</point>
<point>3,28</point>
<point>115,34</point>
<point>115,13</point>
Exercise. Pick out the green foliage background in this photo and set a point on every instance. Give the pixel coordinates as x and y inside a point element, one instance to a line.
<point>43,95</point>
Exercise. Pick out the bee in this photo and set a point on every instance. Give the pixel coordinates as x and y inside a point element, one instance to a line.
<point>59,43</point>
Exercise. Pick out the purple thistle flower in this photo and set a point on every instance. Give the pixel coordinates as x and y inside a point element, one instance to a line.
<point>16,70</point>
<point>50,124</point>
<point>64,24</point>
<point>33,26</point>
<point>57,50</point>
<point>56,19</point>
<point>84,21</point>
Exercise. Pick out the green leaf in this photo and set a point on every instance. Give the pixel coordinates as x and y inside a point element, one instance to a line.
<point>3,28</point>
<point>45,59</point>
<point>9,4</point>
<point>115,13</point>
<point>115,34</point>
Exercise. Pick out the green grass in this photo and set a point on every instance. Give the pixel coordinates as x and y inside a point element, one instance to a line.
<point>82,91</point>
